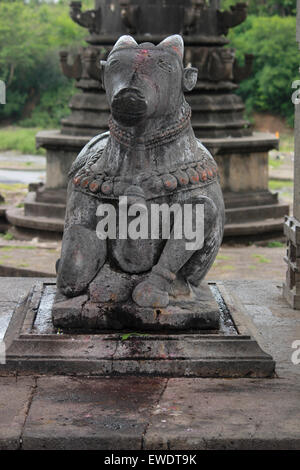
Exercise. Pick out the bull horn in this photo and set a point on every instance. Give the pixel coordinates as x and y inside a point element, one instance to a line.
<point>125,42</point>
<point>176,42</point>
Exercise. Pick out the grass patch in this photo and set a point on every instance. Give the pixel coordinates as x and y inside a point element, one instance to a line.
<point>274,163</point>
<point>13,187</point>
<point>7,236</point>
<point>17,247</point>
<point>275,244</point>
<point>276,185</point>
<point>20,139</point>
<point>261,259</point>
<point>127,336</point>
<point>23,265</point>
<point>227,267</point>
<point>222,258</point>
<point>286,143</point>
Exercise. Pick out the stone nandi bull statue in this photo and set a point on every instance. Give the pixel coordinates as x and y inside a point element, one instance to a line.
<point>151,156</point>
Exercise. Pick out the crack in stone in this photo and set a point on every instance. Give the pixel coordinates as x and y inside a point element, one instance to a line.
<point>150,417</point>
<point>27,409</point>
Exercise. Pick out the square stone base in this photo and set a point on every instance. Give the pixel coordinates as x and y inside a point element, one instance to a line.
<point>198,311</point>
<point>34,345</point>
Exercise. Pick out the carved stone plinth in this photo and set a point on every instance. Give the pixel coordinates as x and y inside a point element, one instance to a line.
<point>195,310</point>
<point>34,345</point>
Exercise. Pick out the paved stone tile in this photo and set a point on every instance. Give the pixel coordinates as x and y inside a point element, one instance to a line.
<point>276,325</point>
<point>226,414</point>
<point>91,413</point>
<point>278,333</point>
<point>256,292</point>
<point>6,311</point>
<point>15,395</point>
<point>13,288</point>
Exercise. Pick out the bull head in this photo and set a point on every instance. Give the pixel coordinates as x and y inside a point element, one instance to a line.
<point>145,81</point>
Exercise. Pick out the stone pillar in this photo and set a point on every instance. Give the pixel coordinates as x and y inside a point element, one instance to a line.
<point>291,288</point>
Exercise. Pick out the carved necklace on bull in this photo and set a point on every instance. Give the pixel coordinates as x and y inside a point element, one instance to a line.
<point>156,138</point>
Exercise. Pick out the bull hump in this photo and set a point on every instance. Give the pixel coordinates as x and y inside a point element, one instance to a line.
<point>91,151</point>
<point>98,183</point>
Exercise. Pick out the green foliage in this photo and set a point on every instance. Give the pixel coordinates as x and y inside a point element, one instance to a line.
<point>53,106</point>
<point>272,42</point>
<point>127,336</point>
<point>33,33</point>
<point>23,140</point>
<point>261,259</point>
<point>266,7</point>
<point>31,36</point>
<point>7,236</point>
<point>275,244</point>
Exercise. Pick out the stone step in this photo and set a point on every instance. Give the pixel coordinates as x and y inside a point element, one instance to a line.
<point>42,209</point>
<point>256,213</point>
<point>257,228</point>
<point>17,217</point>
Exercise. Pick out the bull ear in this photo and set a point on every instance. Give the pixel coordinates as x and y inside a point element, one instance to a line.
<point>176,42</point>
<point>102,70</point>
<point>125,42</point>
<point>189,80</point>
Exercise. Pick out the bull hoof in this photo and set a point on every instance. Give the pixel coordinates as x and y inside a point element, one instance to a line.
<point>147,294</point>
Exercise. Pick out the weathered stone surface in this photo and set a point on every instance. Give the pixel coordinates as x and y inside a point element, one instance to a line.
<point>239,413</point>
<point>15,397</point>
<point>68,311</point>
<point>79,414</point>
<point>110,307</point>
<point>35,346</point>
<point>224,414</point>
<point>6,310</point>
<point>147,126</point>
<point>291,288</point>
<point>111,286</point>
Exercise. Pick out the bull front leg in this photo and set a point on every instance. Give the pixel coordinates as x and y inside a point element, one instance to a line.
<point>175,258</point>
<point>83,253</point>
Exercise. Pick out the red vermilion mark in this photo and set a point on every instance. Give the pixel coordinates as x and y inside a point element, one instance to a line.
<point>141,58</point>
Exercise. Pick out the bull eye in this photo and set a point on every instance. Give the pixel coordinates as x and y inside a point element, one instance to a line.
<point>164,65</point>
<point>114,64</point>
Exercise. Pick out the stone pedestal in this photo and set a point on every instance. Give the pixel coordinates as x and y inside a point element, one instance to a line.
<point>34,345</point>
<point>196,311</point>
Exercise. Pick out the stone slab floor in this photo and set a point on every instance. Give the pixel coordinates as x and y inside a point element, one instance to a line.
<point>234,261</point>
<point>57,412</point>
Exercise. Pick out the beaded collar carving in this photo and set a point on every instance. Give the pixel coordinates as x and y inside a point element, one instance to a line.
<point>160,137</point>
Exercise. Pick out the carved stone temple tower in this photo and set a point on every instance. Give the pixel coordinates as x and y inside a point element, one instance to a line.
<point>217,116</point>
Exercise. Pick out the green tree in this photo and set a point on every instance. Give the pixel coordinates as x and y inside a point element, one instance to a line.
<point>31,36</point>
<point>266,7</point>
<point>276,64</point>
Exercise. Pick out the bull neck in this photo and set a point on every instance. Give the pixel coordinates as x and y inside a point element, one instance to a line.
<point>149,139</point>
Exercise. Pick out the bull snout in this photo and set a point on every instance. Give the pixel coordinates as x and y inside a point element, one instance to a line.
<point>129,106</point>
